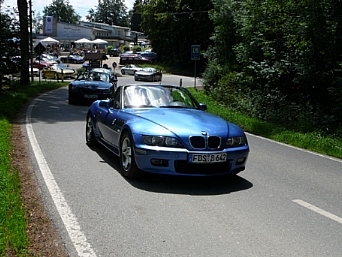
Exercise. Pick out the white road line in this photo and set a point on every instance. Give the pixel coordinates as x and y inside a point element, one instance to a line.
<point>79,240</point>
<point>318,210</point>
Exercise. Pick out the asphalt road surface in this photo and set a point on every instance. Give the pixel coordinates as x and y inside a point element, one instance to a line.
<point>287,202</point>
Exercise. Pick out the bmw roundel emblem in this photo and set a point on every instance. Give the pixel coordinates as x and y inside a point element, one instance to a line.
<point>204,133</point>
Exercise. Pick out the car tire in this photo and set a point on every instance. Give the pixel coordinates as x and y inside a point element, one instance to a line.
<point>123,72</point>
<point>128,166</point>
<point>90,134</point>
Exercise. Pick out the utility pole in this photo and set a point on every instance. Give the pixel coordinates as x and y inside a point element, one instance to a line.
<point>31,41</point>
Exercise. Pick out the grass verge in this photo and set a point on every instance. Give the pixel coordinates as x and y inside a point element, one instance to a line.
<point>13,238</point>
<point>313,141</point>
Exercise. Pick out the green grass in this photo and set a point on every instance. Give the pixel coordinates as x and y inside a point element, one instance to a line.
<point>313,141</point>
<point>12,215</point>
<point>13,239</point>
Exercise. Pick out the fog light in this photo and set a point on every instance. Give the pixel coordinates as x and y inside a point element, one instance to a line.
<point>159,162</point>
<point>240,161</point>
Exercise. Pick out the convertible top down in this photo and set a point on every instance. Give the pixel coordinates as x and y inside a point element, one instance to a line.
<point>162,129</point>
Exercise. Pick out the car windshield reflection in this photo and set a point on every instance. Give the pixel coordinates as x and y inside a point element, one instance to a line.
<point>94,76</point>
<point>140,96</point>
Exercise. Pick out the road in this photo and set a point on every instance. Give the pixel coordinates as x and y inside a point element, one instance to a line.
<point>286,203</point>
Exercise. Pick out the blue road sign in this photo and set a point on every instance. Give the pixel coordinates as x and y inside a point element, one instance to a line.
<point>195,52</point>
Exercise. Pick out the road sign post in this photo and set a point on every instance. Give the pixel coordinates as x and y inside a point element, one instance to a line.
<point>195,55</point>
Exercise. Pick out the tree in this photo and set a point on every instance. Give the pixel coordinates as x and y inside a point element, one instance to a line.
<point>9,29</point>
<point>172,26</point>
<point>280,59</point>
<point>63,12</point>
<point>112,12</point>
<point>136,15</point>
<point>24,42</point>
<point>37,22</point>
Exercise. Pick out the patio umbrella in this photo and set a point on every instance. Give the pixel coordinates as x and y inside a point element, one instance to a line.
<point>49,40</point>
<point>99,41</point>
<point>83,41</point>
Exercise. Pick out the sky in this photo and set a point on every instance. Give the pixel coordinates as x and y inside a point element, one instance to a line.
<point>81,7</point>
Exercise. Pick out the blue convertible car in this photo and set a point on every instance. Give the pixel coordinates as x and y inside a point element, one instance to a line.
<point>162,129</point>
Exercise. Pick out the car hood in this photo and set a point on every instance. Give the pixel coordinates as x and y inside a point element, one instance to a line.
<point>182,121</point>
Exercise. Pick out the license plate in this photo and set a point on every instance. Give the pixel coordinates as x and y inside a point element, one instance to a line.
<point>208,158</point>
<point>90,96</point>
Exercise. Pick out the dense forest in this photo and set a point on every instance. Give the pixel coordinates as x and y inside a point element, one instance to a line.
<point>279,61</point>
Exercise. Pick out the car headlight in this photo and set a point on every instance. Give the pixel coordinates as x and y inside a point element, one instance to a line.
<point>162,141</point>
<point>236,141</point>
<point>108,91</point>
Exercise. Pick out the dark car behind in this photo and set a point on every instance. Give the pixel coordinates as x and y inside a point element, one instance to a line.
<point>133,59</point>
<point>99,83</point>
<point>114,52</point>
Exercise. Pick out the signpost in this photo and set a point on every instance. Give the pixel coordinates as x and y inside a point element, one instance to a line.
<point>39,49</point>
<point>195,55</point>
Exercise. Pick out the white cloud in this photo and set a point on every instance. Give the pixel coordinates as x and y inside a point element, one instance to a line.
<point>80,6</point>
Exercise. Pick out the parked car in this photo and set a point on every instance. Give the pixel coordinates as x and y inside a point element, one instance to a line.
<point>98,83</point>
<point>162,129</point>
<point>130,69</point>
<point>40,64</point>
<point>148,74</point>
<point>127,53</point>
<point>114,52</point>
<point>72,58</point>
<point>48,58</point>
<point>152,56</point>
<point>35,71</point>
<point>58,71</point>
<point>133,59</point>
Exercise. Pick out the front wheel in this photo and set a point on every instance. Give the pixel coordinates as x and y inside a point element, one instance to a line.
<point>127,161</point>
<point>123,72</point>
<point>90,134</point>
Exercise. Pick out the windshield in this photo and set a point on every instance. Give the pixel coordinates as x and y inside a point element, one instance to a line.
<point>156,96</point>
<point>149,69</point>
<point>94,76</point>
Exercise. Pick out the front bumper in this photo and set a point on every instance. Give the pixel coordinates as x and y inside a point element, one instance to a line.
<point>173,161</point>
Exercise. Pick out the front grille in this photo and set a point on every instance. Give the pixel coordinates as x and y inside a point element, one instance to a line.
<point>201,142</point>
<point>90,91</point>
<point>202,169</point>
<point>197,142</point>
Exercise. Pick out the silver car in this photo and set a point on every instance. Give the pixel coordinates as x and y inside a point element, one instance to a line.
<point>130,69</point>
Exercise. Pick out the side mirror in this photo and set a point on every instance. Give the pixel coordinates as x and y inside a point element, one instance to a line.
<point>203,106</point>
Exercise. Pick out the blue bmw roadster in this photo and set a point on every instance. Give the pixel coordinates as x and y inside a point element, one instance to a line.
<point>162,129</point>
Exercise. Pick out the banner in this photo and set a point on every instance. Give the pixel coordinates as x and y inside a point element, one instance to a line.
<point>48,24</point>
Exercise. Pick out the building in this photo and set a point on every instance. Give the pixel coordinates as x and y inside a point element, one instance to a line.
<point>67,33</point>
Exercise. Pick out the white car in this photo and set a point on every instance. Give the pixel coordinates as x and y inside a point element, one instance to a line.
<point>35,71</point>
<point>130,69</point>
